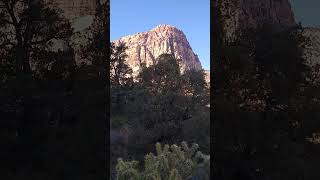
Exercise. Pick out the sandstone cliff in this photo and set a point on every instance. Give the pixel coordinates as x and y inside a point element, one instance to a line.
<point>147,46</point>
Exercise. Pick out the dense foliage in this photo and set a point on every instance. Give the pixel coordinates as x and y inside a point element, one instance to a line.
<point>171,162</point>
<point>160,105</point>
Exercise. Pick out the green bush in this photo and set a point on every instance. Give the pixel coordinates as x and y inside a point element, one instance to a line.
<point>171,162</point>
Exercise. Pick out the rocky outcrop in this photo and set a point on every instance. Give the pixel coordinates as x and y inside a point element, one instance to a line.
<point>242,14</point>
<point>147,46</point>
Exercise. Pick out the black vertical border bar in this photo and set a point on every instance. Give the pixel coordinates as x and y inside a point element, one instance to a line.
<point>107,121</point>
<point>214,48</point>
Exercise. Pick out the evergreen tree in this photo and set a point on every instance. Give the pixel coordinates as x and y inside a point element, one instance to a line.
<point>121,79</point>
<point>30,25</point>
<point>120,72</point>
<point>258,81</point>
<point>158,106</point>
<point>195,86</point>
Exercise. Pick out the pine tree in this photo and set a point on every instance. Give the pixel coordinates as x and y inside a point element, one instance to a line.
<point>120,72</point>
<point>121,79</point>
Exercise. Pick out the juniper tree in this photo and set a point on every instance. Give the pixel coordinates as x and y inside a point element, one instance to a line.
<point>121,79</point>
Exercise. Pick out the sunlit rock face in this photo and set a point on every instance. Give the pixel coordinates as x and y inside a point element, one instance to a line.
<point>242,14</point>
<point>207,76</point>
<point>144,48</point>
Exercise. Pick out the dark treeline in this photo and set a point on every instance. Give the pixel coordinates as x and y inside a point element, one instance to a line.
<point>52,112</point>
<point>266,106</point>
<point>161,105</point>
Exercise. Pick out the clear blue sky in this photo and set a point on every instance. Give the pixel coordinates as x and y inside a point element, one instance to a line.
<point>307,12</point>
<point>191,16</point>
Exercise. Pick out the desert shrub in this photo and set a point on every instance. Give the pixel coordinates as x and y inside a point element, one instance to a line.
<point>170,162</point>
<point>197,129</point>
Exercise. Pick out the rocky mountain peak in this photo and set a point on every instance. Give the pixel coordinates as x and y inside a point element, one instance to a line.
<point>165,27</point>
<point>145,47</point>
